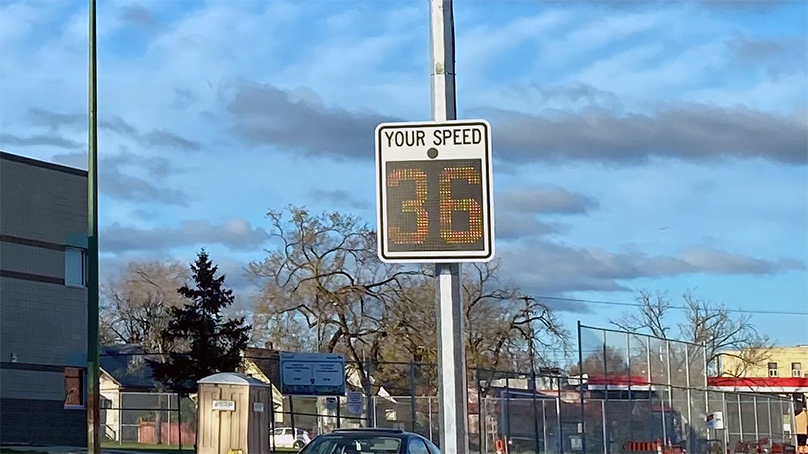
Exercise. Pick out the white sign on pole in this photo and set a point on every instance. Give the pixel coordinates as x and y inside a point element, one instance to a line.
<point>224,405</point>
<point>434,192</point>
<point>354,402</point>
<point>715,420</point>
<point>312,374</point>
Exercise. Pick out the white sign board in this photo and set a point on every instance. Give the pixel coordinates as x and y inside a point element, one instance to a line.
<point>435,200</point>
<point>354,402</point>
<point>715,420</point>
<point>312,374</point>
<point>224,405</point>
<point>258,407</point>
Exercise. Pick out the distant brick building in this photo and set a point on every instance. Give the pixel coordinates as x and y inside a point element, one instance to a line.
<point>783,372</point>
<point>43,302</point>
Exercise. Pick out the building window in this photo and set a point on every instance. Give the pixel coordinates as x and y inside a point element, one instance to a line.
<point>772,369</point>
<point>75,267</point>
<point>74,387</point>
<point>796,369</point>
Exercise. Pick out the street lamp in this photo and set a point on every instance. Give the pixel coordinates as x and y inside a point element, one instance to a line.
<point>93,370</point>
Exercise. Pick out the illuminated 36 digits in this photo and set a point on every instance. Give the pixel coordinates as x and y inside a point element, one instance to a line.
<point>411,206</point>
<point>448,205</point>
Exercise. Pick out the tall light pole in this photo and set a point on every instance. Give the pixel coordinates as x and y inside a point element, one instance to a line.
<point>93,393</point>
<point>452,389</point>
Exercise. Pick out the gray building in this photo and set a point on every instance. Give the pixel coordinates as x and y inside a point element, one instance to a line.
<point>43,302</point>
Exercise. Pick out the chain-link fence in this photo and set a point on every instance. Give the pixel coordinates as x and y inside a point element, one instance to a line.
<point>641,390</point>
<point>147,418</point>
<point>521,409</point>
<point>629,393</point>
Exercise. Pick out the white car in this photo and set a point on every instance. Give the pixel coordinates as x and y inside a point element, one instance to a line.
<point>282,437</point>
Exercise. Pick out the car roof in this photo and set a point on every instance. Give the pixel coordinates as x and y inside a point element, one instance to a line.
<point>369,430</point>
<point>380,431</point>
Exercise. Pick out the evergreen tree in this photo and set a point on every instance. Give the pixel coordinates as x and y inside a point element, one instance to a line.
<point>203,341</point>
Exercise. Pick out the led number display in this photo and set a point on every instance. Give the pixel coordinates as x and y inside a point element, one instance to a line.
<point>434,190</point>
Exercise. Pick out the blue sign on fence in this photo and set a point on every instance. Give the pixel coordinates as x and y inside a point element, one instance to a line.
<point>312,374</point>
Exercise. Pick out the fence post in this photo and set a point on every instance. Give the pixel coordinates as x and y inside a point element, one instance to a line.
<point>535,411</point>
<point>726,418</point>
<point>605,403</point>
<point>480,403</point>
<point>740,418</point>
<point>603,423</point>
<point>339,403</point>
<point>692,432</point>
<point>413,409</point>
<point>630,397</point>
<point>292,418</point>
<point>368,394</point>
<point>272,417</point>
<point>581,391</point>
<point>757,423</point>
<point>792,421</point>
<point>507,414</point>
<point>769,414</point>
<point>179,422</point>
<point>544,425</point>
<point>560,426</point>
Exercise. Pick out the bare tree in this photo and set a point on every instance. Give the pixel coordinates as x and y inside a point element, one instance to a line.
<point>325,272</point>
<point>707,323</point>
<point>324,288</point>
<point>135,304</point>
<point>505,326</point>
<point>505,329</point>
<point>135,308</point>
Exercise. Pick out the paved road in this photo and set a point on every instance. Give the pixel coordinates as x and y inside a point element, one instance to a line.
<point>65,449</point>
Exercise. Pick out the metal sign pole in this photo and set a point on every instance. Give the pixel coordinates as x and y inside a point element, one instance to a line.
<point>452,397</point>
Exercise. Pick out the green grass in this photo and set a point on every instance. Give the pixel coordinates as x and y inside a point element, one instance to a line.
<point>156,449</point>
<point>138,447</point>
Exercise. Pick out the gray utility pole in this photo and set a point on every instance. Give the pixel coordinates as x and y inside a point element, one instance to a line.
<point>452,395</point>
<point>93,393</point>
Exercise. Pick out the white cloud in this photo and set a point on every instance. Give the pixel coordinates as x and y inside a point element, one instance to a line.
<point>484,42</point>
<point>601,32</point>
<point>372,63</point>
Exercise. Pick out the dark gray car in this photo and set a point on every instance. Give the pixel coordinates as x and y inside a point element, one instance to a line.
<point>370,441</point>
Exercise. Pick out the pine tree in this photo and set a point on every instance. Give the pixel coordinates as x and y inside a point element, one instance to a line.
<point>203,341</point>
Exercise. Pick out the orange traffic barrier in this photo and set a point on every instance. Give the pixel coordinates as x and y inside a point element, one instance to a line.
<point>641,446</point>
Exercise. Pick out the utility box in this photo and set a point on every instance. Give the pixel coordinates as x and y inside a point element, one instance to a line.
<point>234,415</point>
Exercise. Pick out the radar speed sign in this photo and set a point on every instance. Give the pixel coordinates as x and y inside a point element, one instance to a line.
<point>434,192</point>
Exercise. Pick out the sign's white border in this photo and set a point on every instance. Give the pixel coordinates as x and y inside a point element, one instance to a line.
<point>488,199</point>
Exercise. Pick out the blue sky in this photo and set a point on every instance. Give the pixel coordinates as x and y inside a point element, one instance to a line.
<point>638,145</point>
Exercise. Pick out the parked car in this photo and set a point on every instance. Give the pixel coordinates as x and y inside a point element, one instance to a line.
<point>370,441</point>
<point>282,437</point>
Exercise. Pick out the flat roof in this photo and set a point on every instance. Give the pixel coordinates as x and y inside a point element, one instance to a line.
<point>42,164</point>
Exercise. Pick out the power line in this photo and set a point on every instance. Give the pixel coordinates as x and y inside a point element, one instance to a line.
<point>615,303</point>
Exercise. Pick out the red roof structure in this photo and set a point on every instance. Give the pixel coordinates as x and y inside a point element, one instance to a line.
<point>759,384</point>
